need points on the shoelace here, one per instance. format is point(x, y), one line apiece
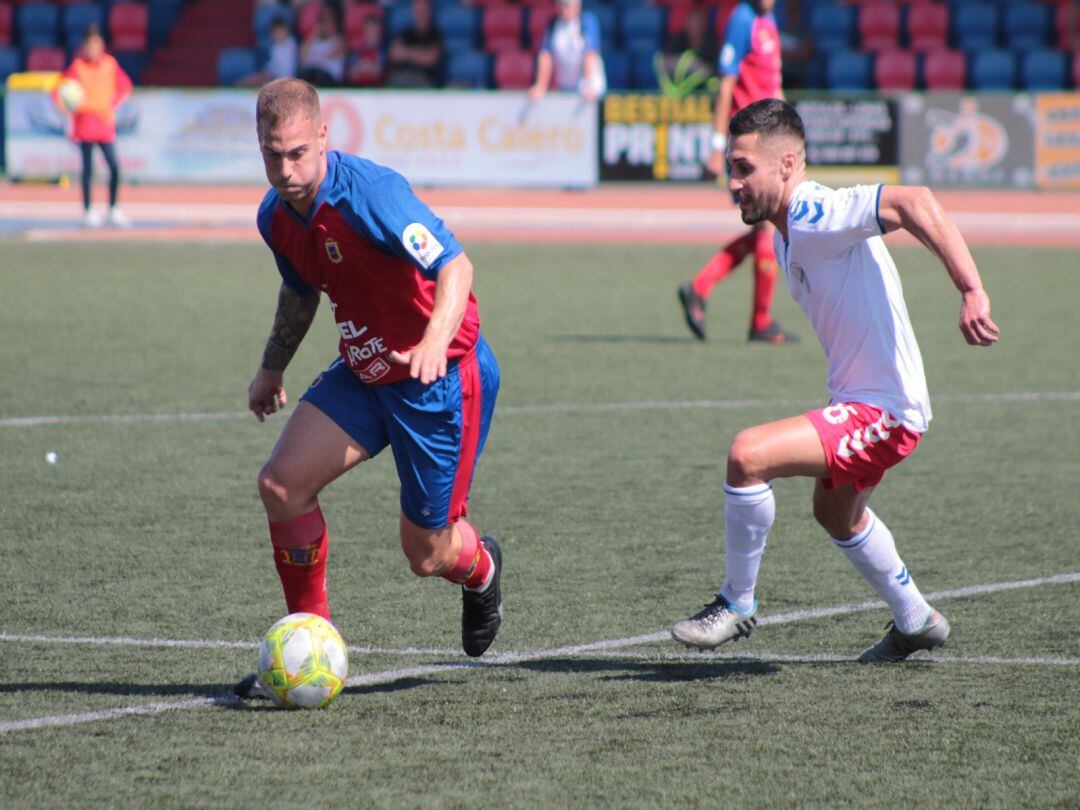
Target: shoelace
point(711, 613)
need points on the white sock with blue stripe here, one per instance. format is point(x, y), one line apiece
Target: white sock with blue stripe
point(748, 515)
point(873, 553)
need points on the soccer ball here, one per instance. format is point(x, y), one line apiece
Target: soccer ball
point(303, 662)
point(71, 94)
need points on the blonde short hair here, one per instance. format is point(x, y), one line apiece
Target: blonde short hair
point(285, 98)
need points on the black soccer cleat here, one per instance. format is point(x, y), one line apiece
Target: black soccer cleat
point(250, 689)
point(481, 611)
point(693, 306)
point(772, 334)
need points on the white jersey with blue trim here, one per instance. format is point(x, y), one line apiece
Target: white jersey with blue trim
point(842, 275)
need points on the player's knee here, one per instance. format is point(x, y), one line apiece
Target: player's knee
point(429, 565)
point(837, 525)
point(427, 551)
point(744, 459)
point(273, 488)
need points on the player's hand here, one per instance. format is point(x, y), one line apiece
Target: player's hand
point(717, 163)
point(975, 323)
point(536, 92)
point(426, 361)
point(266, 394)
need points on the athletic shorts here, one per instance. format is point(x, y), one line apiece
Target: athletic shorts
point(861, 442)
point(436, 431)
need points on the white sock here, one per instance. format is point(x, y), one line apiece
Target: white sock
point(873, 553)
point(748, 515)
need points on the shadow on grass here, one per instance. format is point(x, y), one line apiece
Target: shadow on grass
point(125, 689)
point(655, 671)
point(650, 339)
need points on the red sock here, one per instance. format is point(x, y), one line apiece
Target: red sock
point(300, 547)
point(718, 267)
point(474, 563)
point(764, 279)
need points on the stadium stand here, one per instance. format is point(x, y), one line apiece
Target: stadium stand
point(129, 27)
point(850, 70)
point(993, 70)
point(896, 70)
point(46, 57)
point(641, 28)
point(928, 27)
point(513, 69)
point(202, 30)
point(459, 26)
point(234, 64)
point(944, 70)
point(37, 24)
point(468, 69)
point(5, 25)
point(1044, 70)
point(354, 21)
point(76, 18)
point(879, 26)
point(975, 26)
point(501, 28)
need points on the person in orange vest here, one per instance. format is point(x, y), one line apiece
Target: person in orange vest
point(105, 85)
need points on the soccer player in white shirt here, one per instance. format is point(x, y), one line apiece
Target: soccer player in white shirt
point(839, 271)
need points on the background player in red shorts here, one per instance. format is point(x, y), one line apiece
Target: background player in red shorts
point(414, 372)
point(749, 71)
point(841, 274)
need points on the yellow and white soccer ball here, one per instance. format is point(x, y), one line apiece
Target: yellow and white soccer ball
point(303, 662)
point(71, 94)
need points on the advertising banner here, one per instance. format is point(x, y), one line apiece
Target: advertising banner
point(655, 137)
point(434, 138)
point(1057, 140)
point(951, 139)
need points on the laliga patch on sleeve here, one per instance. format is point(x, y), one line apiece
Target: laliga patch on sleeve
point(421, 244)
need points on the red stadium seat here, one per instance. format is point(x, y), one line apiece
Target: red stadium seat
point(46, 57)
point(1076, 69)
point(539, 18)
point(308, 17)
point(724, 8)
point(128, 26)
point(944, 70)
point(1067, 27)
point(676, 18)
point(928, 27)
point(5, 24)
point(895, 70)
point(355, 18)
point(879, 26)
point(501, 28)
point(514, 70)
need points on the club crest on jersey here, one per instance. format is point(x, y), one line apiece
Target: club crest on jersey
point(300, 555)
point(333, 251)
point(421, 243)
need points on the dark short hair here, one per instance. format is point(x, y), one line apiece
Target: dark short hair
point(770, 116)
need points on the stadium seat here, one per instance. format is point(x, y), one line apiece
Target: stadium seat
point(642, 27)
point(640, 62)
point(832, 27)
point(539, 18)
point(37, 24)
point(5, 25)
point(235, 63)
point(879, 26)
point(266, 13)
point(895, 70)
point(46, 57)
point(133, 63)
point(308, 16)
point(993, 70)
point(928, 27)
point(162, 17)
point(129, 28)
point(10, 61)
point(849, 70)
point(355, 19)
point(722, 13)
point(468, 68)
point(1067, 26)
point(607, 18)
point(1076, 69)
point(1044, 70)
point(944, 70)
point(617, 69)
point(514, 69)
point(1026, 26)
point(77, 17)
point(501, 27)
point(975, 27)
point(458, 26)
point(397, 20)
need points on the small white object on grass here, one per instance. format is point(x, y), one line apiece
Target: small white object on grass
point(51, 457)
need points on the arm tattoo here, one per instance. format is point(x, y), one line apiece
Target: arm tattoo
point(295, 312)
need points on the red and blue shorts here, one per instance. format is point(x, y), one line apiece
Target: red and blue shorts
point(436, 431)
point(861, 442)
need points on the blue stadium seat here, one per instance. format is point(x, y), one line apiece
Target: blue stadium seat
point(162, 17)
point(265, 14)
point(10, 61)
point(617, 69)
point(133, 63)
point(641, 27)
point(993, 70)
point(1044, 70)
point(608, 19)
point(37, 24)
point(77, 17)
point(235, 63)
point(398, 18)
point(975, 26)
point(468, 68)
point(458, 25)
point(640, 63)
point(1026, 26)
point(850, 70)
point(833, 27)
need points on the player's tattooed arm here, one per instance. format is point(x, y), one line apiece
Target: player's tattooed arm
point(295, 313)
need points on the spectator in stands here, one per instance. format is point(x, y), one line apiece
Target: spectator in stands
point(105, 85)
point(283, 58)
point(323, 54)
point(569, 56)
point(368, 60)
point(692, 51)
point(416, 52)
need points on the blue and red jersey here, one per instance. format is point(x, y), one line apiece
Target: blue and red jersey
point(751, 53)
point(376, 251)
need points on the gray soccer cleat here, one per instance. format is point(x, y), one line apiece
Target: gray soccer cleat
point(897, 646)
point(714, 624)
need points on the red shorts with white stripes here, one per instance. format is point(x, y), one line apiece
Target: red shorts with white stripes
point(861, 442)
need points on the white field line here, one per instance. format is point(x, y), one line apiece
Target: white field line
point(604, 646)
point(831, 658)
point(566, 408)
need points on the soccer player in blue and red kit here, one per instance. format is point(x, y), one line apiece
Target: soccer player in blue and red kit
point(750, 70)
point(414, 372)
